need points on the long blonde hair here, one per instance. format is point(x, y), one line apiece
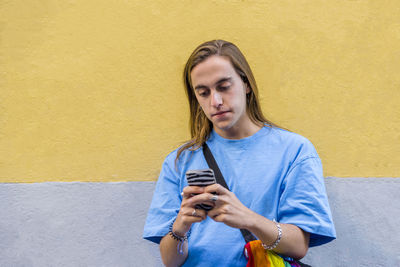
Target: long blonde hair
point(200, 126)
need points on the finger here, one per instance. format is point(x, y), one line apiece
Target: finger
point(186, 195)
point(219, 210)
point(189, 219)
point(214, 198)
point(219, 217)
point(189, 190)
point(194, 200)
point(215, 214)
point(211, 199)
point(216, 188)
point(193, 212)
point(205, 198)
point(200, 213)
point(212, 213)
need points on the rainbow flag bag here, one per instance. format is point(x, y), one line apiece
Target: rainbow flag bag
point(257, 256)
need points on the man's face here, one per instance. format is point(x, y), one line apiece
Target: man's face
point(221, 94)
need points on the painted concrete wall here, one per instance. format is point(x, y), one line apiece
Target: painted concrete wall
point(92, 91)
point(100, 224)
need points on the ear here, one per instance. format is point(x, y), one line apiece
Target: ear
point(248, 90)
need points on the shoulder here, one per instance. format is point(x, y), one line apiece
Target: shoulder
point(293, 143)
point(173, 161)
point(288, 136)
point(186, 153)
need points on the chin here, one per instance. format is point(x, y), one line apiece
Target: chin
point(223, 126)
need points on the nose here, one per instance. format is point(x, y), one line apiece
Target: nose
point(216, 99)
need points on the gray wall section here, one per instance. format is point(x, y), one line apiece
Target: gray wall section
point(100, 224)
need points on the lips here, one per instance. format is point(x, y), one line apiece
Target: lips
point(219, 114)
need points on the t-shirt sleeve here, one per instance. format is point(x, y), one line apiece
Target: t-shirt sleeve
point(304, 202)
point(165, 204)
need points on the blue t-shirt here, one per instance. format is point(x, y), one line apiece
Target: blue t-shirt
point(275, 173)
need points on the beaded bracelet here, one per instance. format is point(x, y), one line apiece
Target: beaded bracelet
point(181, 239)
point(278, 239)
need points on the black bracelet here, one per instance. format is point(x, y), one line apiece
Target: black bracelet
point(181, 239)
point(175, 236)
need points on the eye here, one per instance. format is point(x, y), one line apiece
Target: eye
point(202, 93)
point(223, 88)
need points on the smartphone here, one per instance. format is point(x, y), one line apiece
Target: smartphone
point(201, 178)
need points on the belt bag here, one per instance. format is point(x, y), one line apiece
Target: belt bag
point(254, 252)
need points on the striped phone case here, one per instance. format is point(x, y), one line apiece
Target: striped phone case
point(201, 178)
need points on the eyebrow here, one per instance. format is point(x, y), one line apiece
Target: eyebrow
point(222, 80)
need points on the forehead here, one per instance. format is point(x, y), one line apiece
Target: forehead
point(211, 70)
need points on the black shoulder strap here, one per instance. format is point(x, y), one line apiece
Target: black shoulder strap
point(247, 235)
point(214, 166)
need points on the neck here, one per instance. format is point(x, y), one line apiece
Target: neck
point(238, 132)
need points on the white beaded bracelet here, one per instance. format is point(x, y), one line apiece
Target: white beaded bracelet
point(278, 239)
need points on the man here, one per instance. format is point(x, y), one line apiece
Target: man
point(273, 175)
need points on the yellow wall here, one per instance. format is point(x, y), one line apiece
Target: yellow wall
point(91, 90)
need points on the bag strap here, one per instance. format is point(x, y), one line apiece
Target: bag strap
point(247, 235)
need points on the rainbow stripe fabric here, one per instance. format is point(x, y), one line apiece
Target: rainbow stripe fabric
point(257, 256)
